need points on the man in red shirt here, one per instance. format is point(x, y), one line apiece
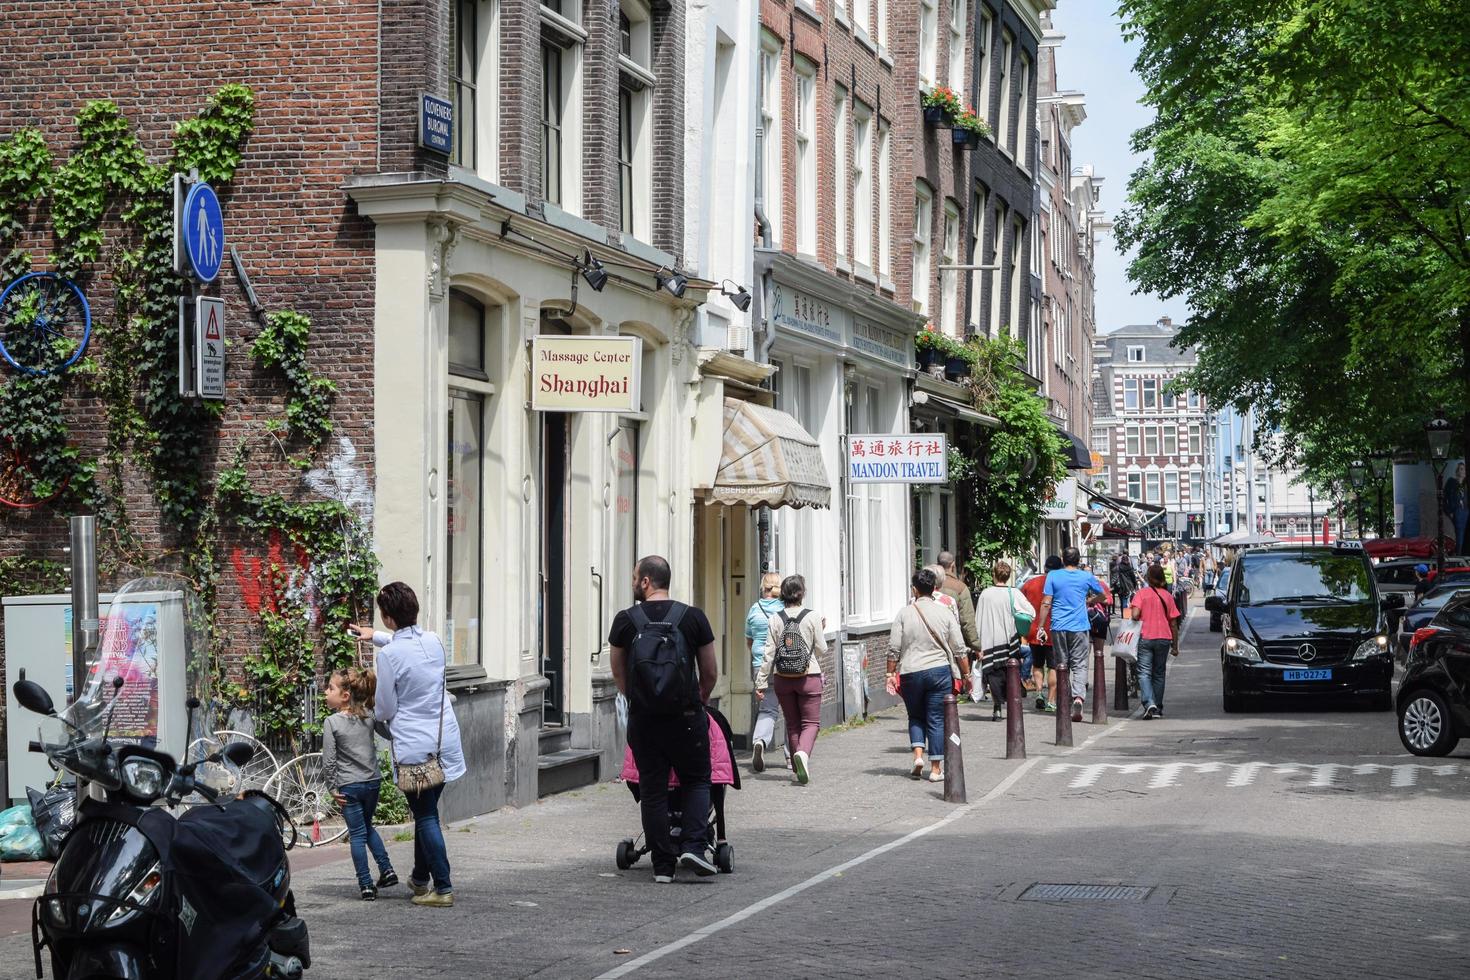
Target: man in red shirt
point(1041, 653)
point(1158, 639)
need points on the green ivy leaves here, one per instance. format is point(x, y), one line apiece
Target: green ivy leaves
point(281, 346)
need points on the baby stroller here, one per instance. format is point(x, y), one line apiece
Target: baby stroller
point(723, 773)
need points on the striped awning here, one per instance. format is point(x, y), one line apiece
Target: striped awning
point(768, 460)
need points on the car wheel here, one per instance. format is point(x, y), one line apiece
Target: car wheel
point(1425, 726)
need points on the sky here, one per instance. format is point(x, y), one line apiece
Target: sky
point(1095, 60)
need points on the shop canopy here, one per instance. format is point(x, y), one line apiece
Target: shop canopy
point(1074, 450)
point(768, 460)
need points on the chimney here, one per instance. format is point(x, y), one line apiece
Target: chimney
point(1165, 322)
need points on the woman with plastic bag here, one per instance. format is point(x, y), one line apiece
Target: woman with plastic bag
point(1002, 614)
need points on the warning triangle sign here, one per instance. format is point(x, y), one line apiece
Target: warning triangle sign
point(211, 324)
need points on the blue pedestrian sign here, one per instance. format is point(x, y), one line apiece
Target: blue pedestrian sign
point(202, 233)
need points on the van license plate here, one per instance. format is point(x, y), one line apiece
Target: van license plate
point(1307, 675)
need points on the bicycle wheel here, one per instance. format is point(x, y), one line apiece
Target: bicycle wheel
point(299, 788)
point(45, 323)
point(17, 481)
point(225, 778)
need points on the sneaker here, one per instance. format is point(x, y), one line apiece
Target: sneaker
point(799, 764)
point(996, 715)
point(1047, 708)
point(388, 879)
point(369, 894)
point(418, 889)
point(662, 879)
point(918, 770)
point(1158, 712)
point(435, 900)
point(758, 756)
point(1076, 709)
point(698, 862)
point(936, 777)
point(1150, 713)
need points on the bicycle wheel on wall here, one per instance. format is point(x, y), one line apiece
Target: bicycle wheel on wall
point(227, 779)
point(298, 786)
point(45, 323)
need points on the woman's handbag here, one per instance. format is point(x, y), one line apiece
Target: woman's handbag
point(1023, 620)
point(1125, 641)
point(417, 777)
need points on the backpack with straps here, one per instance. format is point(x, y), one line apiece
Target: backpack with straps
point(661, 675)
point(793, 656)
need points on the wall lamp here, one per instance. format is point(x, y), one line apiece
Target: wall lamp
point(592, 271)
point(738, 294)
point(672, 281)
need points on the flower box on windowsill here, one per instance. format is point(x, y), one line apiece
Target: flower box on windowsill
point(956, 368)
point(934, 116)
point(968, 138)
point(929, 357)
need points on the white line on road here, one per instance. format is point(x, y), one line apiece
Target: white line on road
point(1322, 776)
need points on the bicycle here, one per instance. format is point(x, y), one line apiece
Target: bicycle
point(45, 323)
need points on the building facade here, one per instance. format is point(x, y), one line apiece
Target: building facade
point(1255, 493)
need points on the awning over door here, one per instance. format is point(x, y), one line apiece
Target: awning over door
point(768, 460)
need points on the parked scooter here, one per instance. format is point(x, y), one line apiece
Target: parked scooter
point(140, 895)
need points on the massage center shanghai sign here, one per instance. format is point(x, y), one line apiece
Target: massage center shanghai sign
point(897, 459)
point(586, 374)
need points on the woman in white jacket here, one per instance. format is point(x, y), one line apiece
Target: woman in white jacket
point(995, 619)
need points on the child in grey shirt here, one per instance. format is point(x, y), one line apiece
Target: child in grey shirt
point(350, 768)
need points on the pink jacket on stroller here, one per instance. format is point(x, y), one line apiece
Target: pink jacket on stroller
point(721, 766)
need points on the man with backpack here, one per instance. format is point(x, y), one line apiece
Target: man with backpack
point(663, 661)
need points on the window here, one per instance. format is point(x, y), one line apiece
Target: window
point(842, 171)
point(880, 21)
point(771, 169)
point(1135, 486)
point(1135, 355)
point(1102, 439)
point(464, 481)
point(923, 205)
point(625, 160)
point(1130, 439)
point(1017, 267)
point(1003, 129)
point(1150, 393)
point(949, 279)
point(861, 14)
point(1196, 486)
point(862, 186)
point(870, 560)
point(1130, 394)
point(1023, 113)
point(553, 110)
point(957, 80)
point(1171, 487)
point(928, 43)
point(624, 450)
point(804, 127)
point(979, 200)
point(464, 66)
point(1192, 401)
point(997, 235)
point(885, 206)
point(1150, 440)
point(983, 39)
point(1151, 488)
point(1171, 441)
point(635, 102)
point(1194, 439)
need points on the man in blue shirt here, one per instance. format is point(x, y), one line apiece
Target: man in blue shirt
point(757, 634)
point(1065, 601)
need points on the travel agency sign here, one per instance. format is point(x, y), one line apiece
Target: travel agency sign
point(586, 374)
point(897, 459)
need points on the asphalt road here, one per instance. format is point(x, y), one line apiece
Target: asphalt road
point(1297, 842)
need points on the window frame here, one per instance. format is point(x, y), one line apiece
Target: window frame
point(1171, 488)
point(955, 56)
point(1150, 440)
point(928, 63)
point(768, 109)
point(1003, 127)
point(862, 185)
point(1132, 439)
point(1135, 485)
point(984, 39)
point(1138, 349)
point(1169, 440)
point(636, 84)
point(842, 184)
point(885, 198)
point(1149, 387)
point(1152, 487)
point(469, 383)
point(804, 136)
point(923, 229)
point(949, 279)
point(1130, 387)
point(553, 174)
point(1023, 117)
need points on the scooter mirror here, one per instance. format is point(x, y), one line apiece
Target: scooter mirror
point(33, 697)
point(239, 753)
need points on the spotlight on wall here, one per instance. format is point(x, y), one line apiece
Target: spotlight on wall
point(738, 294)
point(672, 281)
point(592, 271)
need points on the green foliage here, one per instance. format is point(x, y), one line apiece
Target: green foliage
point(23, 575)
point(392, 804)
point(947, 346)
point(281, 346)
point(278, 670)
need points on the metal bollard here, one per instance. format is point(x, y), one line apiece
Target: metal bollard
point(1120, 685)
point(1064, 704)
point(1015, 723)
point(954, 760)
point(1099, 689)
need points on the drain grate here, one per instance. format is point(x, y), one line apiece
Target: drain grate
point(1085, 893)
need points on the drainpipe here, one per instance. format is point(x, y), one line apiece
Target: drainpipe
point(762, 335)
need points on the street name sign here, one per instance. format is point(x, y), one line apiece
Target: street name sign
point(436, 123)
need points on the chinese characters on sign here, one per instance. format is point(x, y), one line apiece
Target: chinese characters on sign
point(806, 314)
point(897, 459)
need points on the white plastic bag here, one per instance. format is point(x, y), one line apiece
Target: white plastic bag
point(1125, 641)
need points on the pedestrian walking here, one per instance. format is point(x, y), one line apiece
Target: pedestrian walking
point(954, 587)
point(412, 699)
point(1064, 606)
point(796, 637)
point(1210, 571)
point(996, 612)
point(350, 768)
point(1125, 581)
point(1099, 618)
point(944, 598)
point(757, 629)
point(1158, 639)
point(1456, 507)
point(1043, 660)
point(925, 655)
point(663, 661)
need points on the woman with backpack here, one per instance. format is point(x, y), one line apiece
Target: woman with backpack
point(796, 637)
point(1003, 614)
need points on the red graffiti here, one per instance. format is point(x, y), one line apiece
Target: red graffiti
point(263, 584)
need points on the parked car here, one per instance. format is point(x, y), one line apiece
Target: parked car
point(1304, 620)
point(1434, 697)
point(1425, 609)
point(1397, 575)
point(1222, 583)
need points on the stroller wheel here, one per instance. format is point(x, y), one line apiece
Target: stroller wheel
point(627, 855)
point(725, 857)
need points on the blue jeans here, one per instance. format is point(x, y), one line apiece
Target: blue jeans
point(1028, 663)
point(923, 694)
point(1153, 659)
point(766, 715)
point(362, 800)
point(429, 854)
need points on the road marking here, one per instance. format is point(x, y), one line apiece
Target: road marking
point(1322, 775)
point(816, 879)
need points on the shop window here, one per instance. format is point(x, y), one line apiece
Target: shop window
point(625, 450)
point(464, 482)
point(871, 510)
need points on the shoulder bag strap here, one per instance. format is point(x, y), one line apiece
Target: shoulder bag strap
point(942, 645)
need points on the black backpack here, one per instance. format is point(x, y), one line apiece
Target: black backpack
point(661, 675)
point(793, 656)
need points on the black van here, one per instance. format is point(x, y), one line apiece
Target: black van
point(1305, 620)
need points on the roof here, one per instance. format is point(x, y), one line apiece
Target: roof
point(1154, 338)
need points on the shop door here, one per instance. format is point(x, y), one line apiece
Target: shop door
point(554, 468)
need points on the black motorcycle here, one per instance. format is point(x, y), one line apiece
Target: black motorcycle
point(138, 894)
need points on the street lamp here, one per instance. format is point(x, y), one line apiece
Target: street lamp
point(1358, 477)
point(1380, 462)
point(1440, 434)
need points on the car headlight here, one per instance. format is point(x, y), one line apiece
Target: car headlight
point(141, 894)
point(143, 778)
point(1374, 646)
point(1241, 650)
